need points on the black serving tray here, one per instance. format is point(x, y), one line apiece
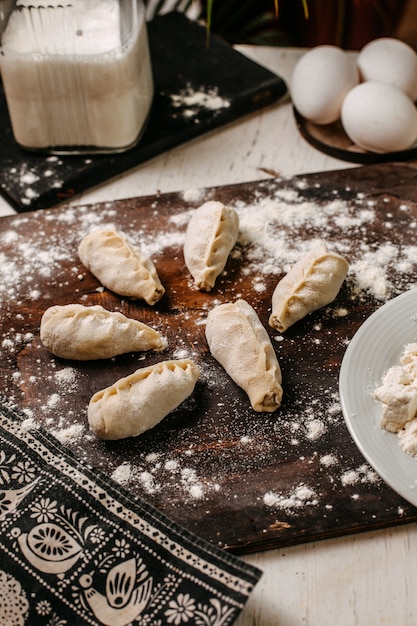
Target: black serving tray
point(184, 60)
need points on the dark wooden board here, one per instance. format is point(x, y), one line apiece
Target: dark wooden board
point(182, 64)
point(212, 462)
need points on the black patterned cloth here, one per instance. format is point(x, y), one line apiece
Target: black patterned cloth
point(77, 549)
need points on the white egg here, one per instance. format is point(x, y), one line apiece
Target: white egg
point(391, 61)
point(379, 118)
point(320, 81)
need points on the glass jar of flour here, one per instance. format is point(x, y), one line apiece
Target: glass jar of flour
point(77, 74)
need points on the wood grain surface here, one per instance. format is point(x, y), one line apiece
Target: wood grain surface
point(242, 480)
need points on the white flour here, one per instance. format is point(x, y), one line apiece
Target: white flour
point(301, 496)
point(189, 103)
point(74, 69)
point(397, 395)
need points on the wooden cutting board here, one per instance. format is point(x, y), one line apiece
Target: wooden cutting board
point(242, 480)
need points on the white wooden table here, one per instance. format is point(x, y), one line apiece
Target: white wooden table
point(365, 579)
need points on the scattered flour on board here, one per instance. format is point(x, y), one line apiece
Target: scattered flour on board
point(27, 181)
point(71, 434)
point(191, 102)
point(362, 474)
point(300, 497)
point(271, 238)
point(328, 460)
point(154, 474)
point(122, 474)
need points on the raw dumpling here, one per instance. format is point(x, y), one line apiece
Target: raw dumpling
point(74, 331)
point(211, 234)
point(240, 343)
point(313, 282)
point(120, 266)
point(140, 401)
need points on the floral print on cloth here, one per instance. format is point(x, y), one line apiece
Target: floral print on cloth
point(76, 549)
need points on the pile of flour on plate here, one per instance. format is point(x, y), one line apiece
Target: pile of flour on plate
point(398, 395)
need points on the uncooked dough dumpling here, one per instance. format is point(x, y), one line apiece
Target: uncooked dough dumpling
point(211, 235)
point(74, 331)
point(138, 402)
point(240, 343)
point(120, 266)
point(313, 282)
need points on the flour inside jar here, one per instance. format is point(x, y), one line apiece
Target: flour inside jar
point(77, 76)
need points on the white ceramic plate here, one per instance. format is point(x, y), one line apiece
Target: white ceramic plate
point(377, 345)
